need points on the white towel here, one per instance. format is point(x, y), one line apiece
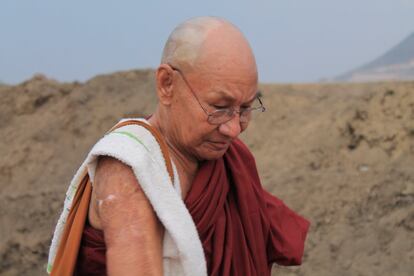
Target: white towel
point(135, 146)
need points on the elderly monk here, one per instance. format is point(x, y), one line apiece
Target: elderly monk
point(207, 94)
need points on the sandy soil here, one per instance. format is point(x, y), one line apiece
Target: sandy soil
point(340, 154)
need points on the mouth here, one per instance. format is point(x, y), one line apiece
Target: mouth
point(219, 145)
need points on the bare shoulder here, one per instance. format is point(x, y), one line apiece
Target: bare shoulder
point(116, 194)
point(114, 177)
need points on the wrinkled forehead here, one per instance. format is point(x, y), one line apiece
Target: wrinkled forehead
point(232, 85)
point(225, 86)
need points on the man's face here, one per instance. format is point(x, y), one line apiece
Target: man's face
point(214, 88)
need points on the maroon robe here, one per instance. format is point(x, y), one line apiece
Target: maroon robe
point(243, 228)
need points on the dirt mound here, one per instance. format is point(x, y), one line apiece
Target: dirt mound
point(341, 155)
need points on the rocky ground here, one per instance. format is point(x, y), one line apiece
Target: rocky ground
point(340, 154)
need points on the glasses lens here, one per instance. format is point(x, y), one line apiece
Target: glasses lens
point(220, 116)
point(224, 115)
point(245, 115)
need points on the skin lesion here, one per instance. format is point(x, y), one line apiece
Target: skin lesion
point(128, 221)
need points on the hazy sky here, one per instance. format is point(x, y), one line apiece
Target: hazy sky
point(293, 40)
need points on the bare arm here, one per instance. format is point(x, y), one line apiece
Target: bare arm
point(133, 233)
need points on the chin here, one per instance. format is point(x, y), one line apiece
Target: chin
point(210, 154)
point(211, 157)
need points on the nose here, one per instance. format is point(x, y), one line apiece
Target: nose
point(231, 128)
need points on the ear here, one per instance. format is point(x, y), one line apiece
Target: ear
point(164, 81)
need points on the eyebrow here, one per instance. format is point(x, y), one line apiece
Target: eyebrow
point(256, 95)
point(232, 99)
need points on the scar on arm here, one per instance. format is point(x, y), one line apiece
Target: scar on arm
point(128, 221)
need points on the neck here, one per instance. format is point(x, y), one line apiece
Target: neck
point(186, 165)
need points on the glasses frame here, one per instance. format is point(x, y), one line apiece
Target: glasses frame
point(230, 111)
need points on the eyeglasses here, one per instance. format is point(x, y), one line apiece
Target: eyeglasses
point(223, 115)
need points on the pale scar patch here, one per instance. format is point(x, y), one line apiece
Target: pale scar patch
point(109, 198)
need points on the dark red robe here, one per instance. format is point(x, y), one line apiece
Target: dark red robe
point(243, 228)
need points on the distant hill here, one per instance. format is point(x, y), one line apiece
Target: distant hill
point(396, 64)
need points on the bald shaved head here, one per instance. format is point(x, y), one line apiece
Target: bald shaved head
point(189, 40)
point(185, 41)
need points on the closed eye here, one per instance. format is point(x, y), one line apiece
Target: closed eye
point(220, 106)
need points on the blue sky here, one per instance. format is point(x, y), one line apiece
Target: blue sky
point(293, 40)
